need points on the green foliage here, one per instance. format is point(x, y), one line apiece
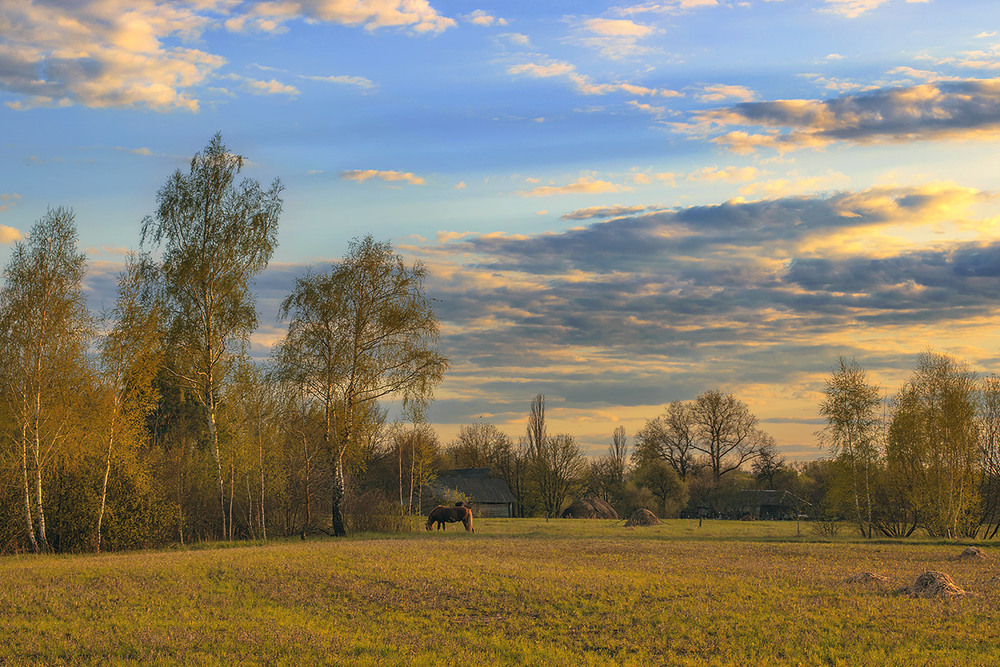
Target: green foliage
point(664, 484)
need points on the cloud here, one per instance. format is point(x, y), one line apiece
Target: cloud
point(583, 185)
point(757, 298)
point(484, 18)
point(517, 38)
point(726, 174)
point(8, 201)
point(719, 92)
point(102, 53)
point(602, 212)
point(669, 7)
point(614, 38)
point(362, 175)
point(272, 87)
point(852, 8)
point(584, 84)
point(417, 15)
point(949, 110)
point(648, 108)
point(359, 81)
point(784, 187)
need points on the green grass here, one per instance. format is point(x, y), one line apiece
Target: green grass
point(518, 592)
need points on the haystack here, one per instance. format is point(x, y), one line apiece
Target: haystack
point(866, 578)
point(642, 517)
point(972, 553)
point(933, 584)
point(589, 508)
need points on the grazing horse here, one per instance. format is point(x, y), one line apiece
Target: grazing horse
point(442, 515)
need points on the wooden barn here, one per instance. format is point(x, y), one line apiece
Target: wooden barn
point(487, 494)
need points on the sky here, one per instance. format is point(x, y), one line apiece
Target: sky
point(619, 204)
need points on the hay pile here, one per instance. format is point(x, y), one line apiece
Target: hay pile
point(590, 508)
point(642, 517)
point(866, 578)
point(972, 553)
point(933, 584)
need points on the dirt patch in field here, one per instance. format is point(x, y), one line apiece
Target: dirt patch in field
point(972, 553)
point(866, 578)
point(642, 517)
point(933, 584)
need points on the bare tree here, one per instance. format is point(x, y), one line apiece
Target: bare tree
point(556, 462)
point(217, 235)
point(670, 437)
point(361, 333)
point(726, 432)
point(769, 462)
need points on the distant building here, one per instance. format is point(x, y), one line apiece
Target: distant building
point(480, 488)
point(769, 504)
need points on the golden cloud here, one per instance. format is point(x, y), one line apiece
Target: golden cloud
point(362, 175)
point(582, 185)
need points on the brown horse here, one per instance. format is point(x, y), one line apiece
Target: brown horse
point(442, 515)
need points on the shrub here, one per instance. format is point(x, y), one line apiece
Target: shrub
point(373, 512)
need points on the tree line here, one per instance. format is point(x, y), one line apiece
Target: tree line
point(150, 424)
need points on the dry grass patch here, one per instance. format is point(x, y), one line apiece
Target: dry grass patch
point(972, 553)
point(642, 517)
point(933, 584)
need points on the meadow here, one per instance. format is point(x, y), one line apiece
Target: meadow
point(520, 591)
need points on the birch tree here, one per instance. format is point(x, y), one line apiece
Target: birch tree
point(130, 357)
point(934, 424)
point(216, 234)
point(851, 408)
point(358, 334)
point(45, 332)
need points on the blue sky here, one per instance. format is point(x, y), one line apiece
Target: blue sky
point(621, 204)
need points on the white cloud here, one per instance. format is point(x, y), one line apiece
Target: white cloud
point(852, 8)
point(583, 83)
point(517, 38)
point(614, 38)
point(359, 81)
point(484, 18)
point(272, 87)
point(106, 53)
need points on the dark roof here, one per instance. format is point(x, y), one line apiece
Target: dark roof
point(479, 485)
point(771, 497)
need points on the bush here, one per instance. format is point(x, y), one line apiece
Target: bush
point(373, 512)
point(826, 528)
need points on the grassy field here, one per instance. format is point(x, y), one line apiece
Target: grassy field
point(518, 592)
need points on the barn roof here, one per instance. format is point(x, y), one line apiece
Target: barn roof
point(479, 485)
